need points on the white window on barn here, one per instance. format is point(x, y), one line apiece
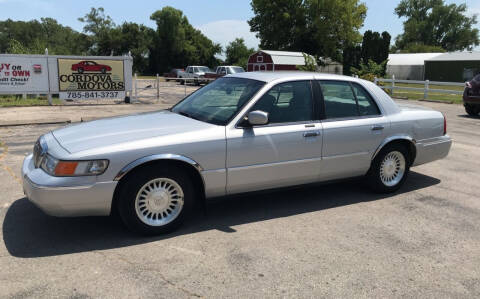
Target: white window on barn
point(259, 58)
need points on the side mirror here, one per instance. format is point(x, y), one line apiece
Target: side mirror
point(258, 118)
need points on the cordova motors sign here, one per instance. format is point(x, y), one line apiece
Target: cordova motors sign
point(72, 77)
point(90, 75)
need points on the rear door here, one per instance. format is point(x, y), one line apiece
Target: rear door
point(353, 128)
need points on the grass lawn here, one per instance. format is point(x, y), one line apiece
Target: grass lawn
point(418, 95)
point(13, 101)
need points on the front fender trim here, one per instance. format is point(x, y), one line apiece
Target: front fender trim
point(146, 159)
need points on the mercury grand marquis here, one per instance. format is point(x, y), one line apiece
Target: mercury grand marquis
point(243, 132)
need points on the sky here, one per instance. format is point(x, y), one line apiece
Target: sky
point(220, 20)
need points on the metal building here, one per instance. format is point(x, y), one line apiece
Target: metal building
point(453, 67)
point(408, 66)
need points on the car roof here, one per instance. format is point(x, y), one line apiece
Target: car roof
point(384, 100)
point(290, 75)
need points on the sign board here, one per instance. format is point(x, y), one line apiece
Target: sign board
point(72, 77)
point(91, 79)
point(23, 74)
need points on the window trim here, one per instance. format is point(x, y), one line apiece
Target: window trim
point(258, 58)
point(324, 112)
point(314, 104)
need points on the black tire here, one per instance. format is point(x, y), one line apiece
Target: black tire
point(471, 110)
point(374, 174)
point(80, 70)
point(182, 82)
point(135, 182)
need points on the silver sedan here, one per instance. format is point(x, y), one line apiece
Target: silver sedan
point(241, 133)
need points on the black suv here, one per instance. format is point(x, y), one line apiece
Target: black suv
point(471, 96)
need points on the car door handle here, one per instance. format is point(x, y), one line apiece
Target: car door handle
point(311, 134)
point(377, 127)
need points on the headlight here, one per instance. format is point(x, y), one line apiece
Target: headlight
point(57, 167)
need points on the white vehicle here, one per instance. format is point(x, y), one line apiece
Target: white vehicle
point(194, 72)
point(241, 133)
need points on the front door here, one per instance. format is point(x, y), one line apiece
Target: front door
point(287, 151)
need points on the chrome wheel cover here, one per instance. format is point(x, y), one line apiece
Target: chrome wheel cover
point(392, 168)
point(159, 202)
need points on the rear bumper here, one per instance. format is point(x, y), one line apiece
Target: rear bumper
point(64, 200)
point(432, 149)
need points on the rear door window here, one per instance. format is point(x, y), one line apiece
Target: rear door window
point(346, 100)
point(366, 105)
point(339, 99)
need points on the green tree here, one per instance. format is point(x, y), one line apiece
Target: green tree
point(370, 70)
point(318, 27)
point(434, 23)
point(16, 47)
point(352, 57)
point(375, 46)
point(34, 36)
point(237, 53)
point(419, 48)
point(100, 28)
point(136, 39)
point(177, 43)
point(310, 64)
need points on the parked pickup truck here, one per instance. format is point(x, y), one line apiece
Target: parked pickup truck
point(172, 74)
point(196, 72)
point(225, 70)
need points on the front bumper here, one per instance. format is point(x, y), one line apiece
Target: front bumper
point(66, 197)
point(470, 98)
point(432, 149)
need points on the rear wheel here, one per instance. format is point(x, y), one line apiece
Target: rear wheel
point(182, 82)
point(472, 110)
point(389, 169)
point(156, 200)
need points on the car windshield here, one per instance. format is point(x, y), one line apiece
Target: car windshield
point(203, 69)
point(218, 102)
point(234, 70)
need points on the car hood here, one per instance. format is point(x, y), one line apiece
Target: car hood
point(115, 130)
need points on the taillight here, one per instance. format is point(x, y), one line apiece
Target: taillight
point(444, 125)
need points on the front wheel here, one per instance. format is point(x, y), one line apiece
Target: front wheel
point(472, 110)
point(156, 200)
point(389, 169)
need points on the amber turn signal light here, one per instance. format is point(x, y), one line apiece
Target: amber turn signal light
point(65, 168)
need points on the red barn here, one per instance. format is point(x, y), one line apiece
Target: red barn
point(275, 61)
